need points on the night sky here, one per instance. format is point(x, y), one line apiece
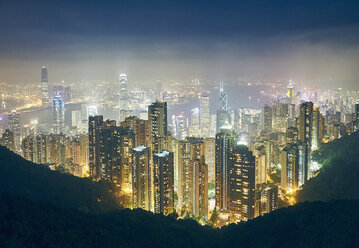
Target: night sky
point(315, 41)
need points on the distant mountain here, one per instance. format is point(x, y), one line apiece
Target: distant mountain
point(38, 183)
point(338, 178)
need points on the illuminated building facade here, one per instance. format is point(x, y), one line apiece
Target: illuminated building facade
point(141, 178)
point(242, 183)
point(163, 182)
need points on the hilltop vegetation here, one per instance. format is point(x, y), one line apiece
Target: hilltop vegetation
point(338, 177)
point(20, 177)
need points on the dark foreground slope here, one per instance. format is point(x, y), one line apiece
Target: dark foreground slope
point(338, 178)
point(38, 183)
point(27, 224)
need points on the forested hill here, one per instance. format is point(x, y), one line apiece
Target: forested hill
point(339, 176)
point(29, 224)
point(38, 183)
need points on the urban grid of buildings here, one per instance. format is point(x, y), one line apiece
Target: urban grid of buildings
point(226, 167)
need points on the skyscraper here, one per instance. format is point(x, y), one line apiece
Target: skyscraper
point(289, 160)
point(241, 183)
point(163, 182)
point(7, 140)
point(124, 110)
point(225, 141)
point(194, 126)
point(267, 119)
point(95, 126)
point(223, 99)
point(141, 178)
point(222, 115)
point(58, 114)
point(305, 128)
point(193, 178)
point(157, 124)
point(44, 86)
point(205, 118)
point(14, 127)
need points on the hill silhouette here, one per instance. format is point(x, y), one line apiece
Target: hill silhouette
point(29, 224)
point(338, 177)
point(20, 177)
point(43, 208)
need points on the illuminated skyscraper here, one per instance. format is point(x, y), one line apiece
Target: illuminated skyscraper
point(141, 178)
point(180, 126)
point(205, 118)
point(289, 160)
point(157, 124)
point(7, 140)
point(305, 128)
point(267, 119)
point(280, 115)
point(14, 127)
point(95, 127)
point(223, 99)
point(193, 178)
point(222, 115)
point(241, 183)
point(194, 126)
point(124, 110)
point(266, 200)
point(225, 141)
point(109, 154)
point(58, 115)
point(44, 86)
point(163, 184)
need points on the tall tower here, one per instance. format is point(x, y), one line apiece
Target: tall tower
point(223, 99)
point(124, 110)
point(194, 126)
point(95, 126)
point(14, 126)
point(44, 85)
point(157, 124)
point(242, 183)
point(267, 119)
point(305, 134)
point(141, 178)
point(225, 141)
point(163, 184)
point(58, 115)
point(223, 115)
point(205, 117)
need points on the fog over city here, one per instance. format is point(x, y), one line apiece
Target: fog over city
point(95, 41)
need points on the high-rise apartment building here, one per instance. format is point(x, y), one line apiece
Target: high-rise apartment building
point(241, 183)
point(141, 178)
point(205, 118)
point(157, 124)
point(163, 182)
point(14, 127)
point(225, 141)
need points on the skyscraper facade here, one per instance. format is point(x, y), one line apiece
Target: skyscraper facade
point(157, 124)
point(163, 182)
point(205, 118)
point(58, 115)
point(141, 178)
point(14, 127)
point(44, 85)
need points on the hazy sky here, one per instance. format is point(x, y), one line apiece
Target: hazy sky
point(92, 40)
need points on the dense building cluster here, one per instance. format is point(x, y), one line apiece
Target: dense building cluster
point(230, 166)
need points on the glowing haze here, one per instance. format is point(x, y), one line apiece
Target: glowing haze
point(315, 41)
